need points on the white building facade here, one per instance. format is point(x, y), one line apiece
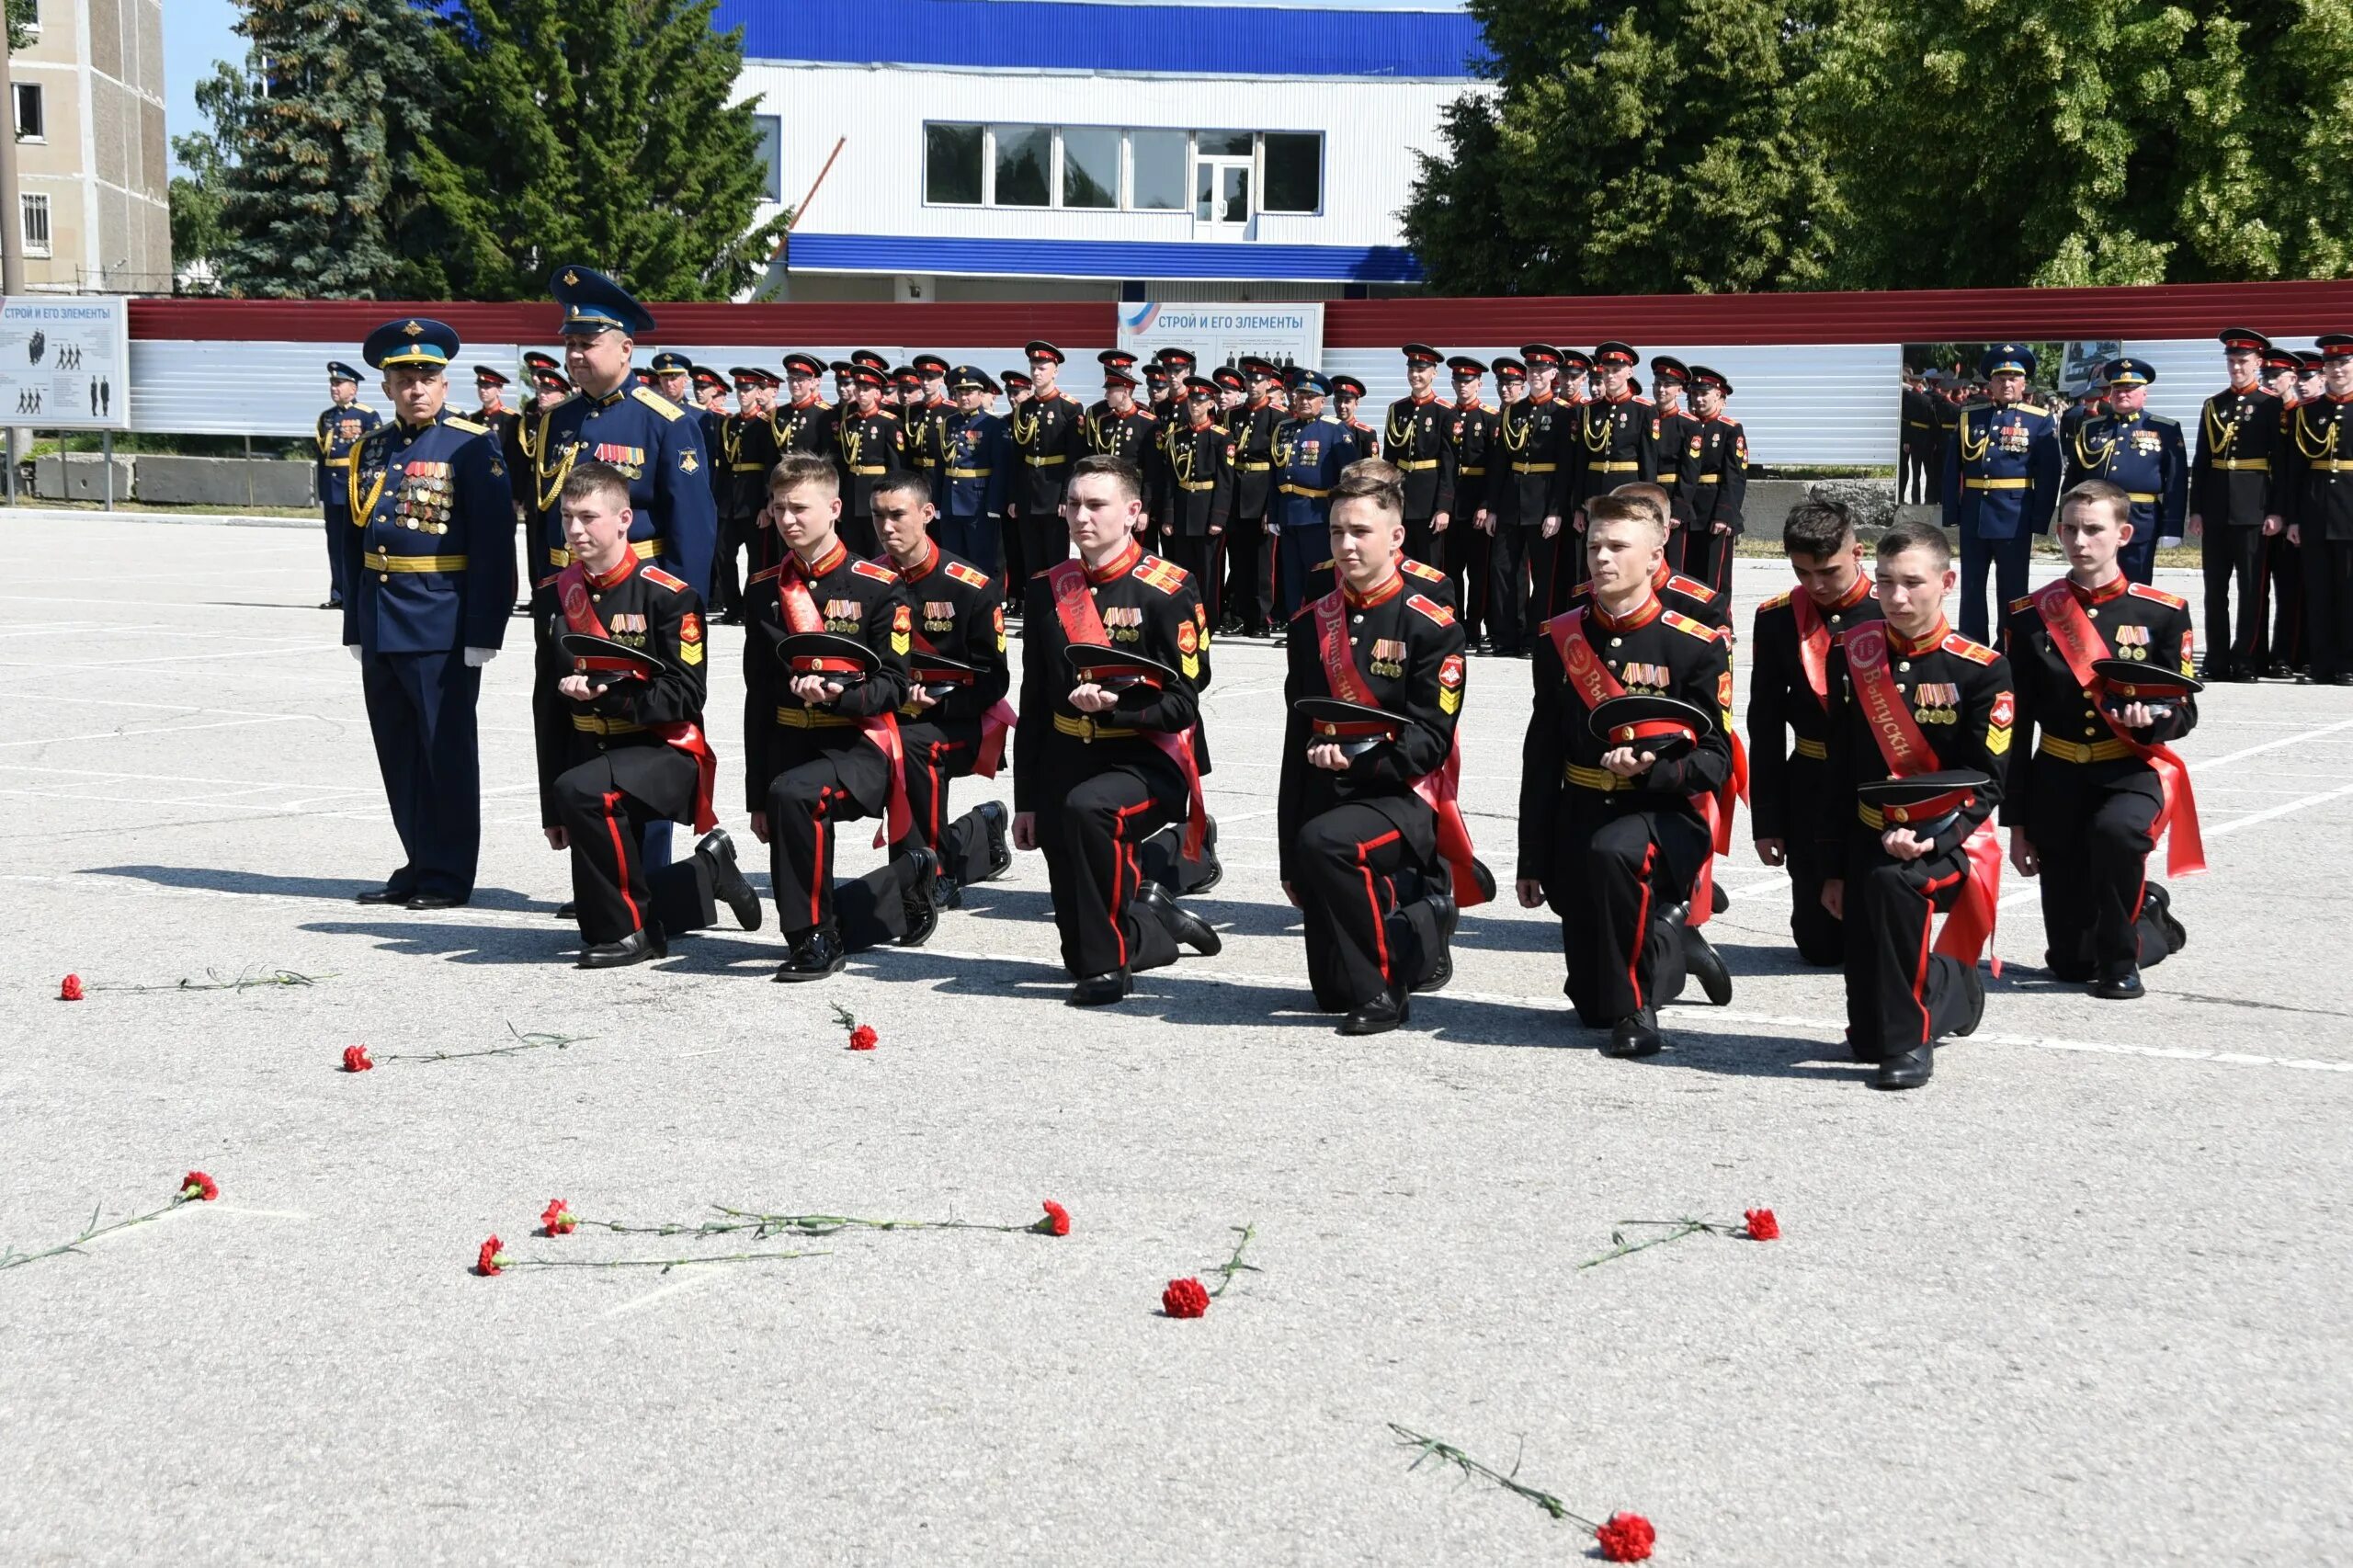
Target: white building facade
point(963, 150)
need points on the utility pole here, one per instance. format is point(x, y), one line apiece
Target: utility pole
point(12, 211)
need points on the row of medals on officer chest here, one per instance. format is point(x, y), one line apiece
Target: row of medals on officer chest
point(425, 498)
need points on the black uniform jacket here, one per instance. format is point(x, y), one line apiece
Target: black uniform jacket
point(1149, 607)
point(1407, 649)
point(2234, 470)
point(858, 600)
point(1959, 697)
point(1785, 717)
point(1654, 651)
point(2133, 621)
point(645, 608)
point(960, 613)
point(1419, 437)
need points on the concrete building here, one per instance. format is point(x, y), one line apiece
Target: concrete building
point(963, 150)
point(93, 164)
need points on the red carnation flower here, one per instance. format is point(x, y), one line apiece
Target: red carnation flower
point(557, 1219)
point(863, 1038)
point(487, 1260)
point(355, 1060)
point(1762, 1226)
point(1626, 1537)
point(1184, 1299)
point(1056, 1222)
point(71, 990)
point(198, 1185)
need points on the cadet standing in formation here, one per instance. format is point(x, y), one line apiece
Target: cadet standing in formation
point(869, 447)
point(1670, 378)
point(431, 577)
point(2002, 472)
point(1048, 438)
point(2317, 491)
point(1418, 437)
point(1197, 460)
point(1248, 597)
point(1473, 438)
point(344, 420)
point(2143, 453)
point(748, 449)
point(1525, 496)
point(2233, 507)
point(1613, 441)
point(1711, 477)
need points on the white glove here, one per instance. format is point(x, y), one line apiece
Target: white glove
point(477, 657)
point(353, 648)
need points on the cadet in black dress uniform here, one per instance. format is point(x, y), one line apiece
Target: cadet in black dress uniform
point(2317, 490)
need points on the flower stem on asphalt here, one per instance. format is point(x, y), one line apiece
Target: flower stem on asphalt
point(1234, 1266)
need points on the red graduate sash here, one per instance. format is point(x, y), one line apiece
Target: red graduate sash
point(2079, 642)
point(1083, 626)
point(1596, 686)
point(572, 592)
point(880, 730)
point(1969, 929)
point(1441, 787)
point(1813, 645)
point(995, 724)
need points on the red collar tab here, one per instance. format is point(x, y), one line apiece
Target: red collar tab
point(1904, 646)
point(1389, 588)
point(1650, 611)
point(831, 561)
point(2114, 588)
point(1118, 566)
point(1864, 587)
point(921, 569)
point(1659, 578)
point(618, 575)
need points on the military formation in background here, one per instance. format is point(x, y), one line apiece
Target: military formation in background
point(876, 548)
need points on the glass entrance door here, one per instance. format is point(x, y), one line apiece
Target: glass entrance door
point(1221, 192)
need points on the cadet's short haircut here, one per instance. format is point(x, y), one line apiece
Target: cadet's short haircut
point(903, 483)
point(2099, 491)
point(1130, 479)
point(596, 478)
point(1624, 509)
point(797, 469)
point(1900, 537)
point(1649, 494)
point(1818, 529)
point(1370, 478)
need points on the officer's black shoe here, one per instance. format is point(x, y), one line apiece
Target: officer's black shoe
point(2124, 985)
point(1635, 1035)
point(1101, 990)
point(1973, 990)
point(1447, 914)
point(1706, 965)
point(1182, 924)
point(922, 914)
point(1379, 1016)
point(1000, 846)
point(817, 953)
point(432, 900)
point(1213, 869)
point(1908, 1070)
point(386, 895)
point(567, 910)
point(635, 948)
point(1717, 902)
point(727, 878)
point(1485, 878)
point(332, 604)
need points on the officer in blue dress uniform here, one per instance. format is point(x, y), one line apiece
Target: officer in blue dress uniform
point(346, 420)
point(1309, 449)
point(431, 568)
point(2140, 451)
point(975, 460)
point(656, 445)
point(2001, 471)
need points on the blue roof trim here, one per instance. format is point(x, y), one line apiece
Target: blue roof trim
point(1104, 258)
point(1051, 35)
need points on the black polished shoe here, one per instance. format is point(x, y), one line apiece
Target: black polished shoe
point(1972, 982)
point(1213, 868)
point(1101, 990)
point(1182, 924)
point(1000, 846)
point(1908, 1070)
point(1635, 1035)
point(567, 910)
point(385, 895)
point(635, 948)
point(1378, 1016)
point(923, 882)
point(432, 900)
point(1707, 966)
point(2124, 985)
point(1717, 901)
point(1448, 914)
point(727, 878)
point(817, 954)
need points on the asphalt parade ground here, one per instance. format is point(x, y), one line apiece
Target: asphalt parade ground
point(2082, 1300)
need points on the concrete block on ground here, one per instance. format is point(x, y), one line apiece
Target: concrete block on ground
point(81, 478)
point(225, 482)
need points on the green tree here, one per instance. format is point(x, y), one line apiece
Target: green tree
point(1645, 146)
point(22, 13)
point(598, 132)
point(321, 140)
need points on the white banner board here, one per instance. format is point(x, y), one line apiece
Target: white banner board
point(1222, 334)
point(65, 362)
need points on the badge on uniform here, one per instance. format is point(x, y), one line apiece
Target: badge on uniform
point(1000, 629)
point(690, 638)
point(1997, 726)
point(1450, 684)
point(686, 460)
point(1388, 658)
point(902, 625)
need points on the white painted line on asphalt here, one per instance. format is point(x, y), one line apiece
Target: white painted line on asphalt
point(2298, 805)
point(688, 1277)
point(178, 658)
point(2302, 737)
point(171, 730)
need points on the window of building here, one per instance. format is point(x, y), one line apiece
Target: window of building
point(1025, 165)
point(952, 162)
point(1090, 167)
point(1223, 143)
point(1156, 170)
point(770, 130)
point(31, 124)
point(36, 207)
point(1294, 181)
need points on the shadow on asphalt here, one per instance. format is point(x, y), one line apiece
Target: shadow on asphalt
point(340, 889)
point(463, 944)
